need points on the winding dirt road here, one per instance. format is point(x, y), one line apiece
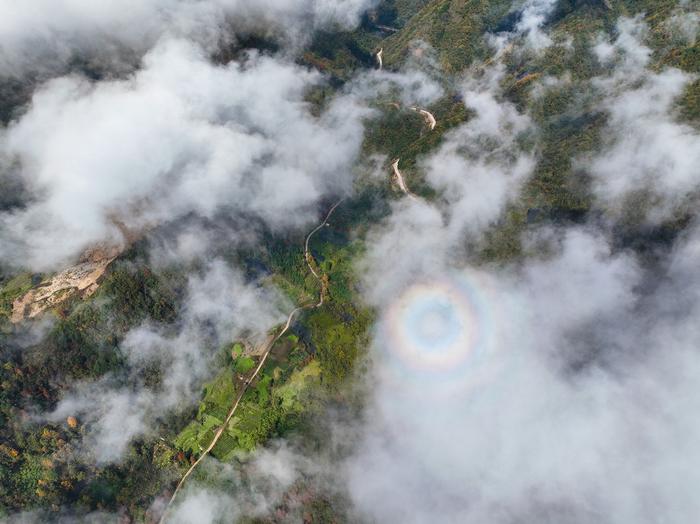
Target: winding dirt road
point(386, 28)
point(309, 259)
point(428, 116)
point(431, 123)
point(400, 180)
point(307, 254)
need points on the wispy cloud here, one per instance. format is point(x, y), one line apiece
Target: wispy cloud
point(565, 408)
point(221, 307)
point(646, 148)
point(44, 36)
point(571, 375)
point(181, 136)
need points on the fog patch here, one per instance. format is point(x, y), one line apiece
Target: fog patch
point(220, 307)
point(180, 137)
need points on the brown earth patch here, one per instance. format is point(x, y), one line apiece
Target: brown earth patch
point(82, 280)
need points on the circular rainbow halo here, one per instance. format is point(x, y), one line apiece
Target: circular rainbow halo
point(436, 326)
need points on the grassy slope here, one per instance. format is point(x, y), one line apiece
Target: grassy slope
point(270, 406)
point(453, 27)
point(306, 366)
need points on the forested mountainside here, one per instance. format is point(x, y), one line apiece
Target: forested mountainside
point(349, 261)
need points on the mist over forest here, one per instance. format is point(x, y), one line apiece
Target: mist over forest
point(349, 261)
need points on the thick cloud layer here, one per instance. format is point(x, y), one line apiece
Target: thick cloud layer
point(46, 34)
point(181, 136)
point(520, 435)
point(572, 400)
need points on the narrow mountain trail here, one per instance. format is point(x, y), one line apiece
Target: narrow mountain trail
point(400, 180)
point(308, 257)
point(431, 122)
point(427, 115)
point(386, 28)
point(307, 254)
point(309, 262)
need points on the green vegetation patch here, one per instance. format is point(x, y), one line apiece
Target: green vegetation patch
point(339, 334)
point(454, 28)
point(292, 393)
point(12, 290)
point(270, 405)
point(690, 103)
point(244, 365)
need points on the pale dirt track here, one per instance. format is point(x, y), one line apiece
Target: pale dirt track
point(428, 116)
point(431, 123)
point(265, 354)
point(400, 180)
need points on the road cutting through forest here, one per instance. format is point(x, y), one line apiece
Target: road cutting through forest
point(400, 180)
point(308, 257)
point(307, 254)
point(427, 115)
point(431, 122)
point(268, 348)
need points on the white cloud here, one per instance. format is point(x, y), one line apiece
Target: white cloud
point(206, 507)
point(513, 434)
point(181, 136)
point(684, 24)
point(628, 49)
point(480, 167)
point(570, 402)
point(645, 148)
point(262, 486)
point(534, 15)
point(46, 34)
point(477, 170)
